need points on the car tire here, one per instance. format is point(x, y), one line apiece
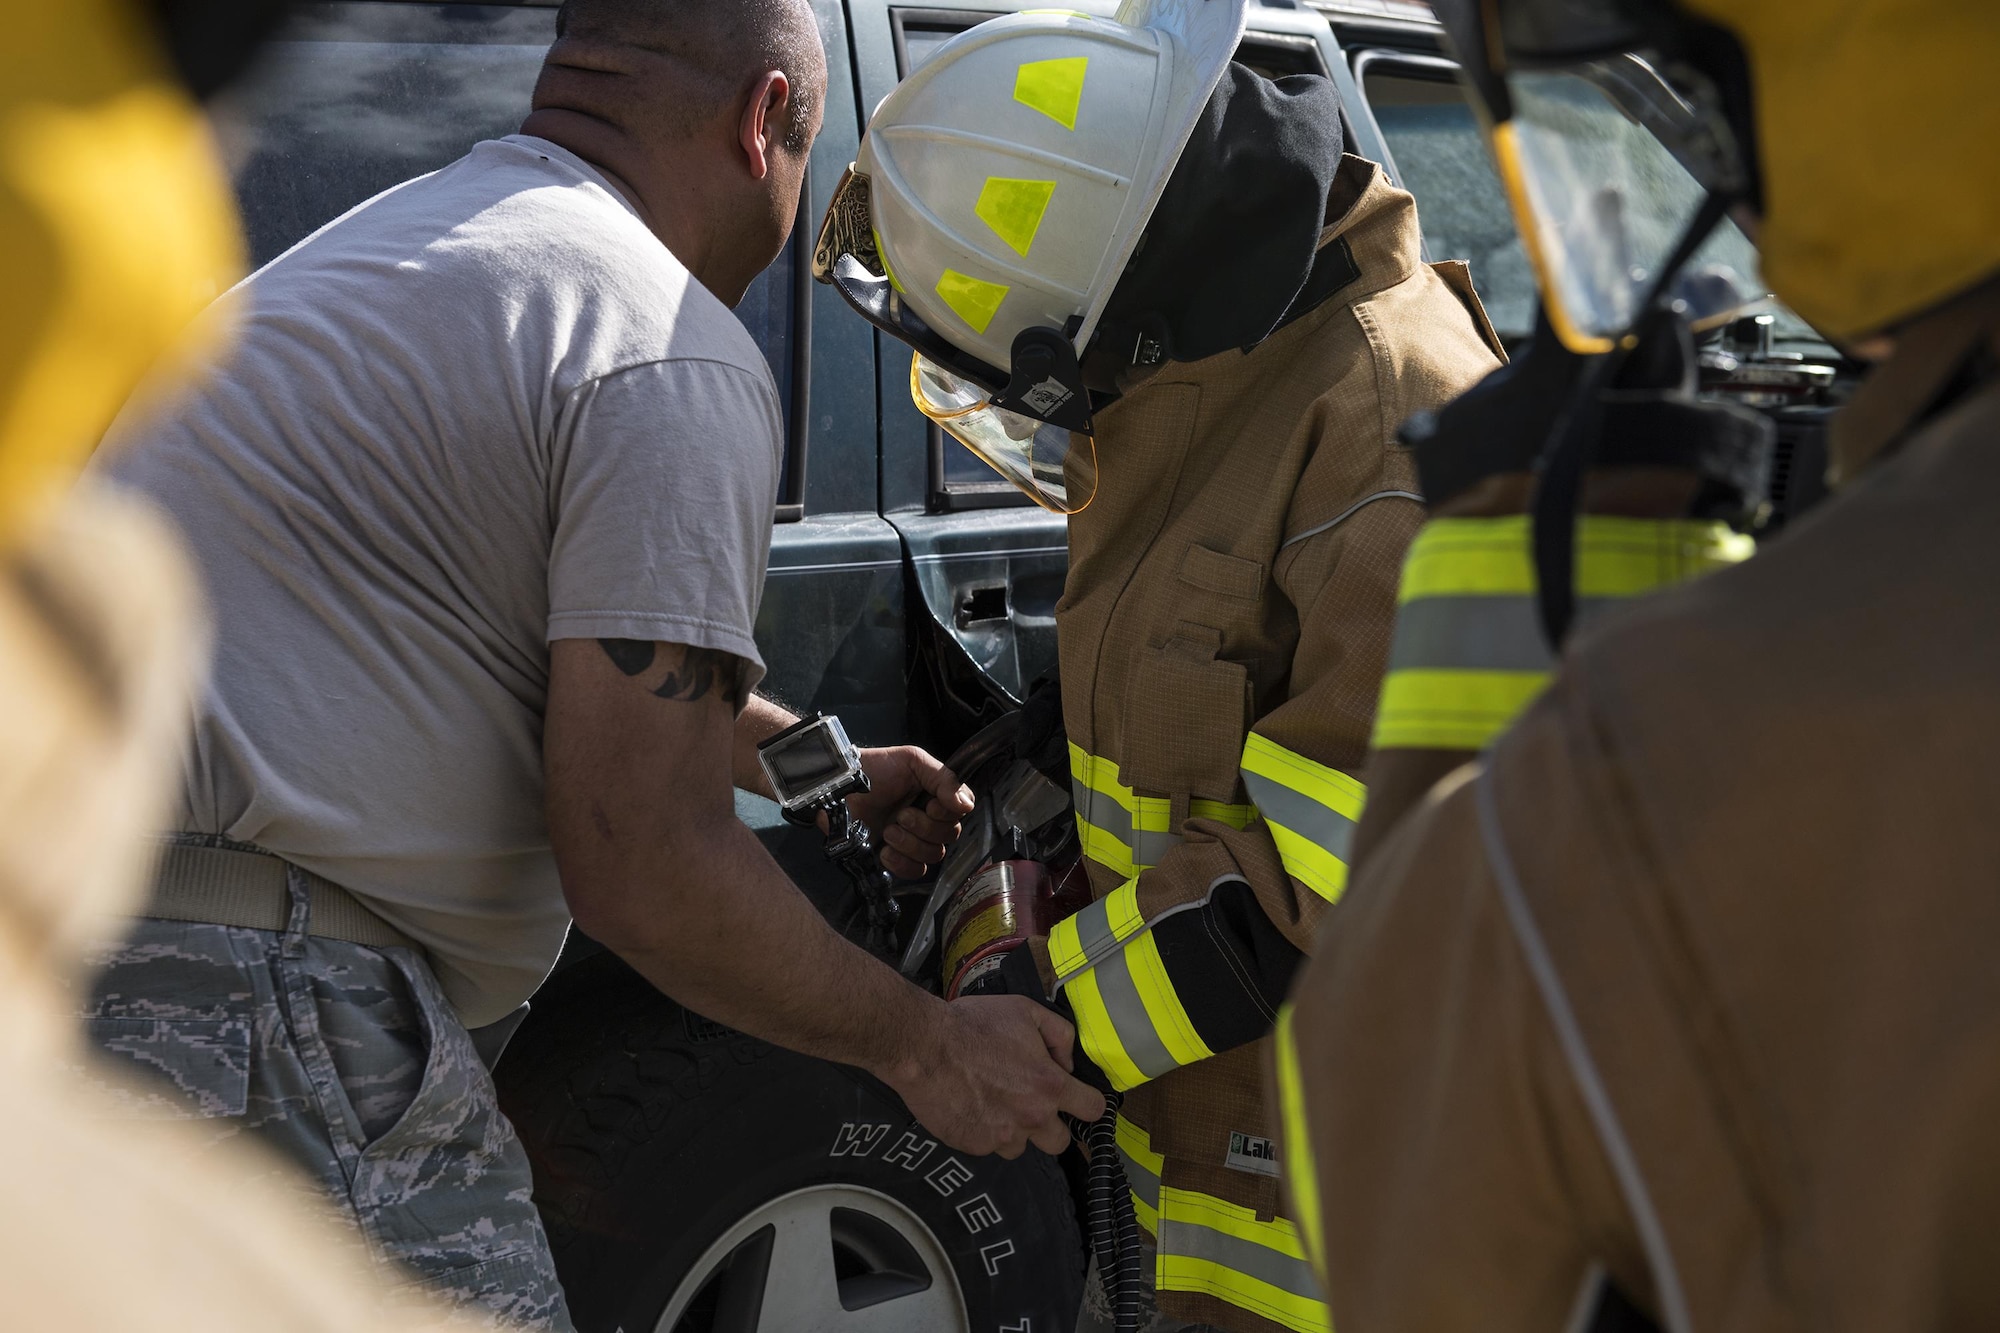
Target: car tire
point(696, 1180)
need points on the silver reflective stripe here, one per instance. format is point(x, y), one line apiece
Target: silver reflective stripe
point(1498, 633)
point(1301, 814)
point(1093, 936)
point(1102, 812)
point(1589, 1083)
point(1149, 848)
point(1143, 1180)
point(1238, 1256)
point(1096, 808)
point(1135, 1026)
point(1470, 633)
point(1350, 512)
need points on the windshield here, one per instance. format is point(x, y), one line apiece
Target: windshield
point(1441, 157)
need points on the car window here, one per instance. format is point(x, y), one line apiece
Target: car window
point(1440, 157)
point(356, 97)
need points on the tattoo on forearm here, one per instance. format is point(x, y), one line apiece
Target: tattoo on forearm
point(631, 656)
point(700, 672)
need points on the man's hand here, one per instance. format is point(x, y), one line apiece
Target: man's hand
point(993, 1075)
point(913, 806)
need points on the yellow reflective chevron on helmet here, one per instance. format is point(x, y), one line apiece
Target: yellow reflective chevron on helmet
point(1014, 209)
point(1028, 152)
point(974, 300)
point(1053, 87)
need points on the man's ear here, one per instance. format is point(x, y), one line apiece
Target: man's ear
point(764, 117)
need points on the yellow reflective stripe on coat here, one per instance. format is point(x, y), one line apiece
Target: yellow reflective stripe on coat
point(1142, 1173)
point(1218, 1248)
point(1095, 933)
point(1128, 1019)
point(1303, 1177)
point(1125, 832)
point(1311, 810)
point(1451, 710)
point(1209, 1245)
point(1469, 654)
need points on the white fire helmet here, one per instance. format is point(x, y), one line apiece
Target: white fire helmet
point(999, 193)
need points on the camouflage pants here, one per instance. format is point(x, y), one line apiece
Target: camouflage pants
point(350, 1062)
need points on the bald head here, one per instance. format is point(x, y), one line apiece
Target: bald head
point(713, 50)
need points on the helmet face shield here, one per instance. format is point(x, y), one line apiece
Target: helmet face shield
point(1053, 466)
point(1616, 160)
point(1600, 161)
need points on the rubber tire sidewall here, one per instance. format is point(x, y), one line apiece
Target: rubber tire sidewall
point(654, 1132)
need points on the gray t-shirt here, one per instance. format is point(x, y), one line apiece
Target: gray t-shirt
point(485, 410)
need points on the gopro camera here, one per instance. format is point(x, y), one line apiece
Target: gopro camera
point(812, 764)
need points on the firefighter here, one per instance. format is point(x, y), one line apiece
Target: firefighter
point(1679, 1005)
point(1148, 287)
point(116, 227)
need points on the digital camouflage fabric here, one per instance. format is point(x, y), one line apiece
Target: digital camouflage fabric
point(349, 1061)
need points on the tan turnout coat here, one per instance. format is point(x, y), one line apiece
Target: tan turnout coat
point(1237, 571)
point(1696, 981)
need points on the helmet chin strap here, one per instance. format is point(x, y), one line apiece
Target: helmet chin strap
point(1046, 382)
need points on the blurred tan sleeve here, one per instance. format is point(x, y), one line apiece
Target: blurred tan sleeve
point(1458, 1179)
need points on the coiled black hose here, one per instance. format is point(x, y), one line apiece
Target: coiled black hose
point(1113, 1226)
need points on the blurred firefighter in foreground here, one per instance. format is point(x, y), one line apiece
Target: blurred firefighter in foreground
point(1147, 286)
point(1680, 1004)
point(117, 228)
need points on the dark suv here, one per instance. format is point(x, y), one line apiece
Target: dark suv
point(692, 1177)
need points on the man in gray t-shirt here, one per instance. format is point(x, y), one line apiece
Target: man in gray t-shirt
point(482, 498)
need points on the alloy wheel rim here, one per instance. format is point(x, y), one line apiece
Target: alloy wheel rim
point(823, 1259)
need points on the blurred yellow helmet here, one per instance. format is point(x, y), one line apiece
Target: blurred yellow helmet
point(116, 227)
point(1858, 135)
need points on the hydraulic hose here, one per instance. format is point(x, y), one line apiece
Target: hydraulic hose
point(1114, 1227)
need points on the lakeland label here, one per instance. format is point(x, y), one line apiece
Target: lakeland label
point(1247, 1153)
